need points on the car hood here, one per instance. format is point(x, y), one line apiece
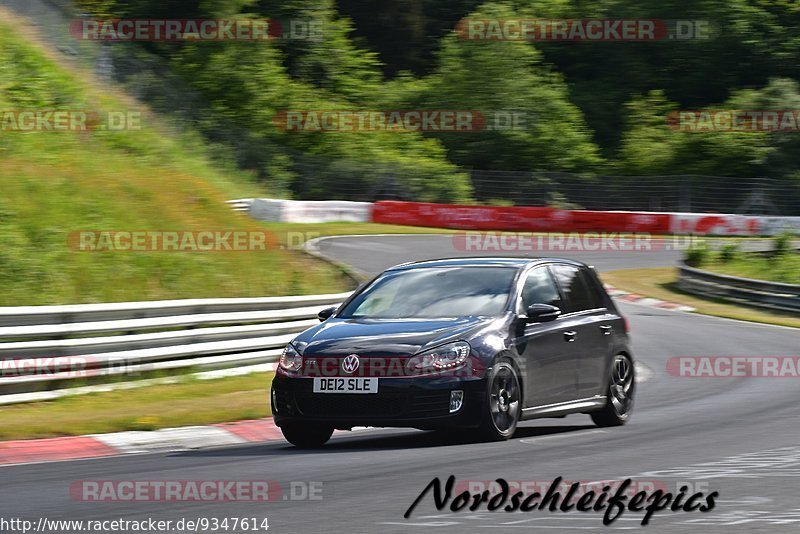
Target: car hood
point(383, 337)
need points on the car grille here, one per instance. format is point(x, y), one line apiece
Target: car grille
point(349, 405)
point(430, 404)
point(418, 405)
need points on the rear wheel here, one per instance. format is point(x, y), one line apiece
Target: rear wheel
point(503, 403)
point(619, 397)
point(306, 436)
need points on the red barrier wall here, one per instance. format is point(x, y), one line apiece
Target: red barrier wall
point(518, 218)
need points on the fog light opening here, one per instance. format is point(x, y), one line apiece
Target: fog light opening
point(456, 400)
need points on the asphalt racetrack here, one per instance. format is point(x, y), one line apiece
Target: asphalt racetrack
point(737, 436)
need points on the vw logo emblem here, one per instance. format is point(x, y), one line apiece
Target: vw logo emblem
point(350, 364)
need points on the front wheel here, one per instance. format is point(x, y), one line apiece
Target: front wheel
point(306, 436)
point(619, 396)
point(503, 403)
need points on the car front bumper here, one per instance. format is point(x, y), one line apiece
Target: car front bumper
point(416, 402)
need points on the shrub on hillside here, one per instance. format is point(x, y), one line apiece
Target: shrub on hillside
point(697, 254)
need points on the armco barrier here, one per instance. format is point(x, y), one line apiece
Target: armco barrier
point(240, 204)
point(301, 211)
point(543, 219)
point(148, 336)
point(772, 295)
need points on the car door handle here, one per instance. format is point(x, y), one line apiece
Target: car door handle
point(607, 329)
point(570, 336)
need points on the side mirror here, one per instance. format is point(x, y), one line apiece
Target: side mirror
point(326, 313)
point(541, 313)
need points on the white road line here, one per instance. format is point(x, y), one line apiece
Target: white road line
point(410, 524)
point(570, 435)
point(566, 518)
point(169, 439)
point(643, 373)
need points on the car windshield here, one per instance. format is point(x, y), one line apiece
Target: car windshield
point(428, 292)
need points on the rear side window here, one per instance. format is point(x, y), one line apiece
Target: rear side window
point(579, 291)
point(540, 288)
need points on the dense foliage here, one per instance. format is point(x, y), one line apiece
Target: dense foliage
point(594, 108)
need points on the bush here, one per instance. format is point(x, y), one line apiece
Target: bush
point(729, 252)
point(782, 245)
point(697, 254)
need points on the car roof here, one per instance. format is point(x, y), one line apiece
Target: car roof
point(493, 261)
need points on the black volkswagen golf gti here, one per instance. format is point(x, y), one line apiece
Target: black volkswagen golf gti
point(469, 343)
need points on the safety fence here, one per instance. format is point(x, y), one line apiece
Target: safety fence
point(517, 218)
point(51, 347)
point(522, 218)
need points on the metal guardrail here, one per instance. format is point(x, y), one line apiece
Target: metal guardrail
point(52, 347)
point(241, 204)
point(761, 293)
point(75, 313)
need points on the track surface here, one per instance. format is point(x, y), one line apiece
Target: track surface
point(369, 478)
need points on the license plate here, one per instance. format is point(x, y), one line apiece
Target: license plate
point(345, 385)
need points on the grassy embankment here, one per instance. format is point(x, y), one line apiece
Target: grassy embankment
point(153, 178)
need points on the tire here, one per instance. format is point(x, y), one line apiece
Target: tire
point(503, 404)
point(619, 395)
point(306, 436)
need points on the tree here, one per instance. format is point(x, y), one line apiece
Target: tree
point(503, 78)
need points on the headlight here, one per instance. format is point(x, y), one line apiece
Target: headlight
point(290, 359)
point(441, 358)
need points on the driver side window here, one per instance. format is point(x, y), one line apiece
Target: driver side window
point(540, 288)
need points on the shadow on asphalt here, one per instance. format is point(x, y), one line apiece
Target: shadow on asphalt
point(365, 440)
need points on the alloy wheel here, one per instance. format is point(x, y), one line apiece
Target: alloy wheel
point(622, 384)
point(504, 399)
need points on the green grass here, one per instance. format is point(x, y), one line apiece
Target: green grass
point(188, 402)
point(781, 263)
point(54, 183)
point(660, 283)
point(785, 268)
